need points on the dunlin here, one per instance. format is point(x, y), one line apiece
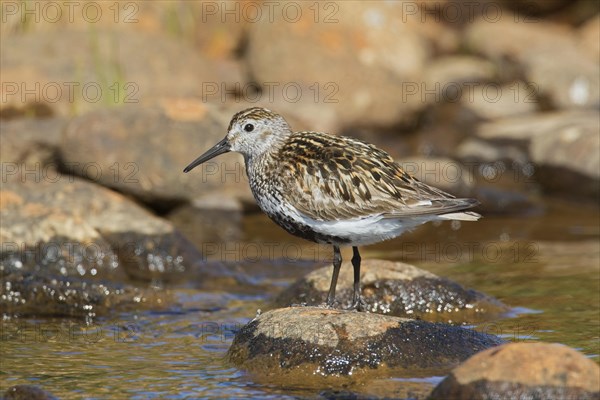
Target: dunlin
point(331, 190)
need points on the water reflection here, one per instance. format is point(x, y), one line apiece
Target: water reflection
point(547, 270)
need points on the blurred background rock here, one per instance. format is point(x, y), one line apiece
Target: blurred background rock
point(422, 79)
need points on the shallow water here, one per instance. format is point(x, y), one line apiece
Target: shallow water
point(546, 266)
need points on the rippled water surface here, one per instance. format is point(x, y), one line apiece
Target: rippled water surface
point(545, 266)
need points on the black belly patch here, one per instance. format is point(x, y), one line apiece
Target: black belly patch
point(305, 231)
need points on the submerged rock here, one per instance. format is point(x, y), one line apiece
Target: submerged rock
point(27, 392)
point(523, 371)
point(397, 289)
point(305, 341)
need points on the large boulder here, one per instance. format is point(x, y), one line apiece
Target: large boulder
point(541, 371)
point(299, 342)
point(72, 228)
point(142, 150)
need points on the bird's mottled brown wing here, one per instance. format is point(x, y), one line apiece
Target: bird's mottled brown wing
point(334, 178)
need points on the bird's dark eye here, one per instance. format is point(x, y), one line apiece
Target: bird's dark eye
point(248, 127)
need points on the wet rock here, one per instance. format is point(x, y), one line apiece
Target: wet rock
point(444, 173)
point(558, 149)
point(27, 294)
point(300, 342)
point(397, 289)
point(27, 392)
point(69, 227)
point(523, 370)
point(142, 151)
point(547, 55)
point(30, 142)
point(373, 52)
point(164, 257)
point(107, 69)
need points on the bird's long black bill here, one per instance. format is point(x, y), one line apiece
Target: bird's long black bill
point(219, 148)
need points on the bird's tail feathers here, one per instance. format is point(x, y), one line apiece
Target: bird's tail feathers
point(461, 216)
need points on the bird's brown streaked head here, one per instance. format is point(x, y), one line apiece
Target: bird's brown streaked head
point(251, 132)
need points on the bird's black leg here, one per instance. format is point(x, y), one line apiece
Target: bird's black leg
point(337, 263)
point(357, 302)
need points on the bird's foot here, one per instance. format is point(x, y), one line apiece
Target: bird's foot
point(298, 305)
point(358, 305)
point(330, 306)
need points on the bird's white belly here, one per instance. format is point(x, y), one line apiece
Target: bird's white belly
point(361, 231)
